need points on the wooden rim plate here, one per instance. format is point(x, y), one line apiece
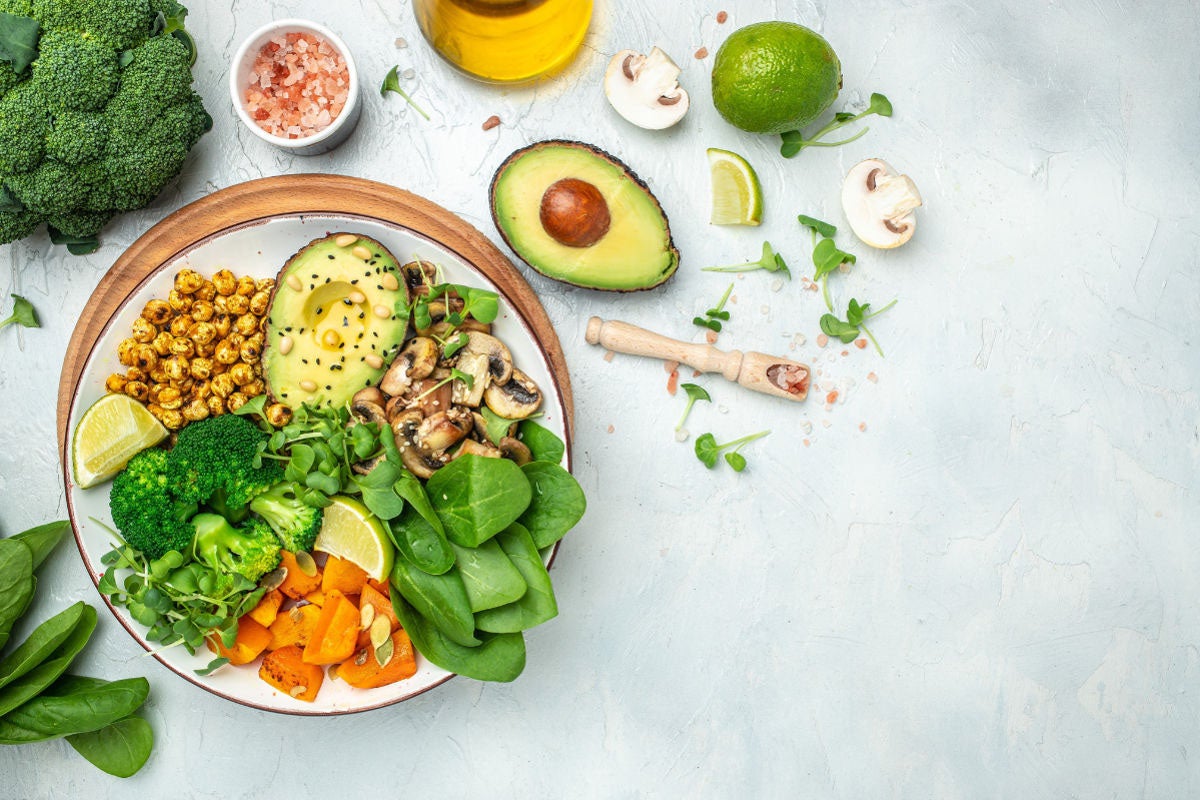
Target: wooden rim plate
point(252, 228)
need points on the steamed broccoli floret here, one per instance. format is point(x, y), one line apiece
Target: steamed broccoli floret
point(103, 118)
point(212, 463)
point(295, 523)
point(251, 551)
point(145, 510)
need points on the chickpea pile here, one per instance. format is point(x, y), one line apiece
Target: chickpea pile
point(196, 354)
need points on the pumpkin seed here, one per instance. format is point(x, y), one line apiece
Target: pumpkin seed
point(296, 614)
point(384, 653)
point(367, 616)
point(296, 691)
point(381, 631)
point(361, 658)
point(274, 579)
point(332, 671)
point(306, 564)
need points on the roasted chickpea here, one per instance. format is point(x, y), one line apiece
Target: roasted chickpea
point(181, 325)
point(263, 324)
point(177, 368)
point(195, 410)
point(206, 350)
point(178, 301)
point(115, 383)
point(135, 374)
point(144, 330)
point(182, 347)
point(201, 368)
point(222, 324)
point(145, 357)
point(222, 385)
point(246, 324)
point(235, 401)
point(278, 414)
point(227, 352)
point(237, 304)
point(159, 373)
point(216, 405)
point(156, 410)
point(251, 349)
point(264, 285)
point(137, 390)
point(206, 292)
point(162, 343)
point(220, 304)
point(259, 302)
point(224, 282)
point(127, 351)
point(245, 286)
point(254, 388)
point(172, 419)
point(202, 332)
point(241, 373)
point(202, 310)
point(157, 312)
point(187, 281)
point(170, 398)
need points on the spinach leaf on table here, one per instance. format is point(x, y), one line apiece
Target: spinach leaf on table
point(542, 443)
point(16, 584)
point(489, 576)
point(119, 749)
point(74, 704)
point(500, 657)
point(33, 682)
point(534, 607)
point(441, 599)
point(556, 502)
point(477, 497)
point(43, 539)
point(44, 640)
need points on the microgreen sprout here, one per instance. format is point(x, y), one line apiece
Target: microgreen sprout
point(826, 258)
point(392, 84)
point(714, 316)
point(465, 377)
point(856, 315)
point(23, 314)
point(770, 261)
point(707, 450)
point(817, 226)
point(794, 141)
point(694, 393)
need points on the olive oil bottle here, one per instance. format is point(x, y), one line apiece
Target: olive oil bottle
point(505, 41)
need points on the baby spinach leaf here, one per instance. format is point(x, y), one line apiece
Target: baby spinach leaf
point(497, 426)
point(489, 576)
point(16, 583)
point(424, 546)
point(119, 749)
point(44, 640)
point(477, 497)
point(556, 502)
point(542, 442)
point(76, 704)
point(43, 539)
point(499, 657)
point(31, 683)
point(441, 599)
point(534, 607)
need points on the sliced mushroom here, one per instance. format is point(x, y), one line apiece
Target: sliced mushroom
point(645, 89)
point(499, 358)
point(477, 366)
point(470, 447)
point(516, 450)
point(419, 276)
point(417, 360)
point(879, 204)
point(370, 394)
point(418, 461)
point(516, 399)
point(443, 429)
point(437, 313)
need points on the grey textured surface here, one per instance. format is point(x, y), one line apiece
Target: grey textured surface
point(988, 592)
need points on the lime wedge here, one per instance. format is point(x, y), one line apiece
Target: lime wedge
point(736, 194)
point(113, 430)
point(351, 532)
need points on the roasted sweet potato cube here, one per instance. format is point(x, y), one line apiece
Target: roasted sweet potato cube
point(297, 584)
point(294, 626)
point(286, 670)
point(252, 639)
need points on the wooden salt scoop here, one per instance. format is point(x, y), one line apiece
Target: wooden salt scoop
point(758, 371)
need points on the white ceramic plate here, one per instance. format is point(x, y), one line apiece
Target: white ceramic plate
point(259, 249)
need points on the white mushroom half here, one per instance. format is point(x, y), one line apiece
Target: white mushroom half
point(879, 204)
point(645, 89)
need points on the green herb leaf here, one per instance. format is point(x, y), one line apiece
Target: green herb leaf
point(820, 227)
point(736, 460)
point(254, 407)
point(391, 83)
point(694, 393)
point(838, 329)
point(18, 40)
point(24, 314)
point(769, 261)
point(497, 427)
point(880, 106)
point(706, 449)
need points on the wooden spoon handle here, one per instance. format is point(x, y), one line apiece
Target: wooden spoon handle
point(622, 337)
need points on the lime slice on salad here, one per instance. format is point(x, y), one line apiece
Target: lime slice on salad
point(351, 532)
point(113, 430)
point(736, 193)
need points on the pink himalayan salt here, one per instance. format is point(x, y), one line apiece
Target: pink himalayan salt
point(299, 85)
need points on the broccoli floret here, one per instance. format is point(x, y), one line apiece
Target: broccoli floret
point(144, 509)
point(75, 74)
point(212, 463)
point(251, 551)
point(24, 123)
point(118, 24)
point(295, 523)
point(77, 137)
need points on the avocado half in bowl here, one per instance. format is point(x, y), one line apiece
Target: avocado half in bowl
point(579, 215)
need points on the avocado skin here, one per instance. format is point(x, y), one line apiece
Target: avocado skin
point(591, 151)
point(290, 314)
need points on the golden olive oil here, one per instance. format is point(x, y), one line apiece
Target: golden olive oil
point(505, 41)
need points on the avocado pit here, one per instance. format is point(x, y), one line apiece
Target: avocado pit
point(574, 213)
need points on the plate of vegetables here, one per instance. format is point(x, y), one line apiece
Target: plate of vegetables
point(318, 463)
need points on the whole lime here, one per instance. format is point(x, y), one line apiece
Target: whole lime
point(772, 77)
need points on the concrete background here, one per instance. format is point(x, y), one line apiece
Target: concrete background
point(988, 592)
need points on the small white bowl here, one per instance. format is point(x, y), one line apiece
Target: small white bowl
point(243, 68)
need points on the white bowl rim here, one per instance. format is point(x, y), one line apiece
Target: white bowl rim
point(235, 88)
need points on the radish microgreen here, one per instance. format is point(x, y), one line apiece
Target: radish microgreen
point(23, 314)
point(713, 318)
point(794, 141)
point(849, 329)
point(694, 393)
point(707, 450)
point(391, 83)
point(770, 261)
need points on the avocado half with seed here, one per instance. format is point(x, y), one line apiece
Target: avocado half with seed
point(332, 326)
point(579, 215)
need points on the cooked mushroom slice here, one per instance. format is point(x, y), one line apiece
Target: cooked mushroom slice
point(366, 411)
point(443, 429)
point(516, 450)
point(414, 362)
point(426, 396)
point(437, 312)
point(419, 276)
point(419, 462)
point(645, 89)
point(499, 358)
point(879, 204)
point(517, 399)
point(477, 366)
point(370, 394)
point(470, 447)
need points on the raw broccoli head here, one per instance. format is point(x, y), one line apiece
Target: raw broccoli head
point(149, 516)
point(295, 523)
point(101, 121)
point(250, 551)
point(213, 463)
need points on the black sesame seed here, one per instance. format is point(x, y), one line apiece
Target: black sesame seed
point(330, 257)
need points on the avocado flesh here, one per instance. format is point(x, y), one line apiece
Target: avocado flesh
point(636, 252)
point(333, 340)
